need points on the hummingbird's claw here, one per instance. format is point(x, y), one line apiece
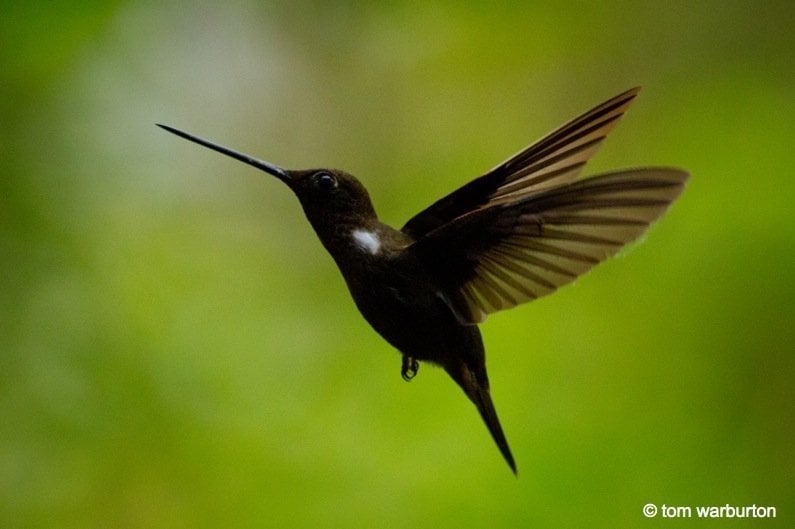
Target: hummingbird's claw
point(409, 368)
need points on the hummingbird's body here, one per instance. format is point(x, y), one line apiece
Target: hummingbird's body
point(516, 233)
point(401, 300)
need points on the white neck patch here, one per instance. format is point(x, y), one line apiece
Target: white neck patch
point(367, 241)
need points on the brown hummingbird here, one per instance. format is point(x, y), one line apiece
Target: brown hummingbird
point(517, 233)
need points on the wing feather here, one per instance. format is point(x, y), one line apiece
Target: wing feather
point(510, 253)
point(554, 160)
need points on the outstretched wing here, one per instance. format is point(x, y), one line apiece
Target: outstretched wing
point(555, 159)
point(511, 252)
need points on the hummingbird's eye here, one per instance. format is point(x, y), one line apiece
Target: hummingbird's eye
point(325, 181)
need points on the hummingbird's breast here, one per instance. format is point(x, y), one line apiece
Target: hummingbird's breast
point(397, 296)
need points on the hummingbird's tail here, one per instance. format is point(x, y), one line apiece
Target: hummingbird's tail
point(477, 389)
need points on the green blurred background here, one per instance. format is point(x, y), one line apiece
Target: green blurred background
point(177, 350)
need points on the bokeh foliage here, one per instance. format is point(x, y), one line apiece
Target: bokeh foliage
point(177, 350)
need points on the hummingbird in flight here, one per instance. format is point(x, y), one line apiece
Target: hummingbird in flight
point(516, 233)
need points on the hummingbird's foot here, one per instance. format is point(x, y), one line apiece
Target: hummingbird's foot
point(410, 368)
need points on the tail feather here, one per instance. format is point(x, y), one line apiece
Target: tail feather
point(478, 392)
point(482, 400)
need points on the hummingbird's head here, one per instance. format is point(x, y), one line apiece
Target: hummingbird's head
point(329, 197)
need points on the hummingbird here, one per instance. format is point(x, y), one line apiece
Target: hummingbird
point(512, 235)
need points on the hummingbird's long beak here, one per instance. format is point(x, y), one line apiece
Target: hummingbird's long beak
point(269, 168)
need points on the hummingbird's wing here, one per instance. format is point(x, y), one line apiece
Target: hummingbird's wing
point(514, 251)
point(553, 160)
